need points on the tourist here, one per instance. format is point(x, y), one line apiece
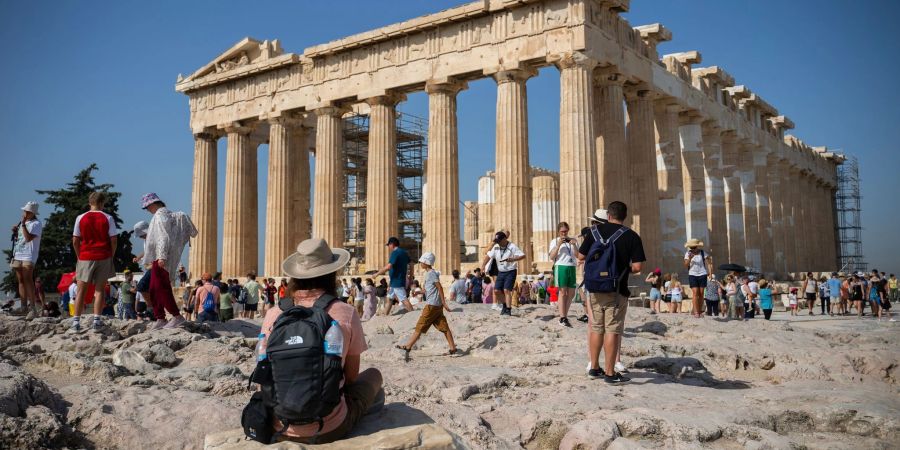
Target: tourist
point(875, 295)
point(487, 294)
point(765, 298)
point(833, 291)
point(204, 309)
point(857, 294)
point(282, 290)
point(127, 292)
point(711, 296)
point(735, 302)
point(505, 255)
point(187, 300)
point(270, 292)
point(676, 293)
point(237, 303)
point(792, 301)
point(343, 290)
point(371, 306)
point(654, 279)
point(313, 274)
point(563, 249)
point(824, 296)
point(182, 275)
point(523, 294)
point(253, 291)
point(27, 238)
point(359, 297)
point(396, 268)
point(226, 300)
point(753, 289)
point(167, 235)
point(609, 308)
point(666, 294)
point(699, 265)
point(435, 305)
point(457, 289)
point(39, 290)
point(893, 290)
point(845, 295)
point(381, 293)
point(95, 238)
point(416, 294)
point(475, 286)
point(809, 291)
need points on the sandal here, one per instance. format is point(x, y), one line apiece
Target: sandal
point(453, 352)
point(406, 351)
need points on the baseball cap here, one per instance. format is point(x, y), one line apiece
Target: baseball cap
point(393, 240)
point(499, 236)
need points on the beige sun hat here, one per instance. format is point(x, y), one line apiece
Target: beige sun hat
point(314, 258)
point(693, 243)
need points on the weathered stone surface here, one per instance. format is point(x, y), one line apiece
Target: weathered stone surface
point(590, 435)
point(421, 437)
point(133, 361)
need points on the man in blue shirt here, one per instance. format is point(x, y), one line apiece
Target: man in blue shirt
point(397, 265)
point(834, 291)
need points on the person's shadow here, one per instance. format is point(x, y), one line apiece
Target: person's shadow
point(393, 415)
point(685, 370)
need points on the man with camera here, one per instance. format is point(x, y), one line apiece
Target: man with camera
point(504, 254)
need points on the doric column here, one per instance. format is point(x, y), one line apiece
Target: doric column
point(832, 228)
point(747, 175)
point(644, 211)
point(671, 185)
point(485, 211)
point(694, 178)
point(764, 215)
point(715, 192)
point(470, 221)
point(301, 224)
point(328, 221)
point(240, 237)
point(791, 209)
point(279, 201)
point(440, 213)
point(825, 262)
point(204, 206)
point(382, 214)
point(577, 151)
point(734, 208)
point(512, 188)
point(801, 214)
point(612, 154)
point(545, 213)
point(777, 168)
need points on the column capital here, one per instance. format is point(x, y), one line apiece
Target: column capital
point(711, 127)
point(572, 59)
point(387, 99)
point(285, 120)
point(609, 75)
point(513, 75)
point(209, 134)
point(690, 117)
point(639, 92)
point(333, 111)
point(448, 86)
point(236, 127)
point(666, 104)
point(729, 136)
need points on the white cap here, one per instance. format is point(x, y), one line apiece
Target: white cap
point(427, 258)
point(31, 207)
point(141, 228)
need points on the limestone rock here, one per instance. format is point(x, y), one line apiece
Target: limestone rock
point(420, 437)
point(133, 361)
point(590, 435)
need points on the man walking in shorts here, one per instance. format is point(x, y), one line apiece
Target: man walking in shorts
point(94, 239)
point(608, 308)
point(397, 266)
point(506, 256)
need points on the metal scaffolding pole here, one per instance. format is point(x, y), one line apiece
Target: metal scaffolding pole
point(849, 212)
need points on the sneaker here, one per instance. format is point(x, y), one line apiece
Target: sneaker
point(176, 322)
point(159, 324)
point(505, 311)
point(76, 327)
point(619, 367)
point(584, 318)
point(595, 373)
point(565, 322)
point(617, 378)
point(97, 326)
point(892, 320)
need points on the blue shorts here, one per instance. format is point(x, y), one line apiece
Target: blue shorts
point(397, 293)
point(506, 281)
point(695, 281)
point(654, 294)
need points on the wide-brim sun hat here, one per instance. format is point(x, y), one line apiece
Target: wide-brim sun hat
point(314, 258)
point(693, 243)
point(31, 207)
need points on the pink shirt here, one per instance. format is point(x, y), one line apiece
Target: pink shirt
point(487, 296)
point(354, 345)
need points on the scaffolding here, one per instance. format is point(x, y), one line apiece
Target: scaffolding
point(849, 210)
point(412, 149)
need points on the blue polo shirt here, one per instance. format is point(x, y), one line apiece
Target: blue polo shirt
point(399, 264)
point(834, 287)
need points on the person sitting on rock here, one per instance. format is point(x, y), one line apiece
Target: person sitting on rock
point(435, 305)
point(313, 273)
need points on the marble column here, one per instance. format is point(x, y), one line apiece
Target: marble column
point(715, 193)
point(777, 169)
point(470, 221)
point(485, 211)
point(279, 203)
point(204, 206)
point(577, 151)
point(440, 214)
point(802, 236)
point(832, 228)
point(609, 124)
point(382, 214)
point(301, 223)
point(734, 208)
point(764, 215)
point(791, 222)
point(691, 134)
point(644, 210)
point(747, 175)
point(671, 185)
point(512, 185)
point(240, 237)
point(545, 210)
point(328, 221)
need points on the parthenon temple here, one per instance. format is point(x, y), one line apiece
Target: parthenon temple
point(693, 153)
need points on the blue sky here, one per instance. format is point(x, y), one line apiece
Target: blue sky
point(86, 82)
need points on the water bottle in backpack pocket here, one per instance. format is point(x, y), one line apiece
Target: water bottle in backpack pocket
point(600, 271)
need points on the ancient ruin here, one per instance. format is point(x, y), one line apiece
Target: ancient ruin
point(725, 171)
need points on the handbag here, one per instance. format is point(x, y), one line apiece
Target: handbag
point(256, 419)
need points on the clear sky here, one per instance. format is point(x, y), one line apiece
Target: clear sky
point(85, 82)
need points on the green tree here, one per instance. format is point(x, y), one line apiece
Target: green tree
point(56, 254)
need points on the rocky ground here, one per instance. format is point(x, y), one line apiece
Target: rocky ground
point(813, 382)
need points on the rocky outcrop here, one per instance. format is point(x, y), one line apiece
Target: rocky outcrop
point(416, 437)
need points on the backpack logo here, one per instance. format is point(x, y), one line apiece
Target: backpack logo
point(294, 340)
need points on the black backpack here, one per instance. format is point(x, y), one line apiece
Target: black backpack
point(300, 383)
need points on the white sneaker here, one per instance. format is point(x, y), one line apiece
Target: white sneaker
point(30, 315)
point(159, 324)
point(176, 322)
point(620, 367)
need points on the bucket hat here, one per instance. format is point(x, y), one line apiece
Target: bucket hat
point(427, 258)
point(31, 207)
point(149, 199)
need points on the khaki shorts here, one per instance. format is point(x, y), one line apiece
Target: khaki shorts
point(609, 312)
point(432, 315)
point(96, 272)
point(19, 264)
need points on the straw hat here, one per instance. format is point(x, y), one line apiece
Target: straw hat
point(694, 243)
point(314, 258)
point(599, 216)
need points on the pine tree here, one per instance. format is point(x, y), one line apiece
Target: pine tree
point(56, 255)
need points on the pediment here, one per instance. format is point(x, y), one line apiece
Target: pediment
point(247, 51)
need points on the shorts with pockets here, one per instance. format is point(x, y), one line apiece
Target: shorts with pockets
point(697, 281)
point(506, 281)
point(96, 272)
point(608, 309)
point(654, 294)
point(432, 315)
point(398, 293)
point(564, 276)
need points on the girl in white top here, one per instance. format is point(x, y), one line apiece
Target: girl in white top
point(676, 292)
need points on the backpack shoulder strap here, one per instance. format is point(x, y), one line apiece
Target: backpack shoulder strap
point(596, 233)
point(324, 301)
point(618, 234)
